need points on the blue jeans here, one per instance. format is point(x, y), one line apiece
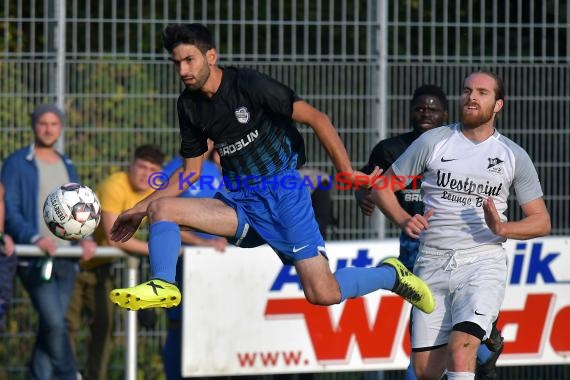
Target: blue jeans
point(7, 271)
point(52, 356)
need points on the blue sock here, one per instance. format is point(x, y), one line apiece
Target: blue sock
point(410, 374)
point(164, 248)
point(483, 354)
point(355, 282)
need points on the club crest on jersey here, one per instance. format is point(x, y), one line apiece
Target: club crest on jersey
point(495, 165)
point(242, 115)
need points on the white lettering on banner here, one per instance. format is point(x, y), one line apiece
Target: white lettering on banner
point(249, 311)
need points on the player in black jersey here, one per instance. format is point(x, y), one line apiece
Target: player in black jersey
point(428, 110)
point(251, 119)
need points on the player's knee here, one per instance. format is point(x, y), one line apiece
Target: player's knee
point(321, 298)
point(157, 210)
point(320, 301)
point(463, 346)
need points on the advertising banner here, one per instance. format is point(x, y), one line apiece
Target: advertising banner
point(244, 312)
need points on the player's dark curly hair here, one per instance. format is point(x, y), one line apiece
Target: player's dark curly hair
point(431, 90)
point(150, 153)
point(190, 34)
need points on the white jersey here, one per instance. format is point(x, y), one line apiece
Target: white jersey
point(458, 175)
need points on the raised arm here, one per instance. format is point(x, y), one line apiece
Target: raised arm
point(327, 134)
point(536, 221)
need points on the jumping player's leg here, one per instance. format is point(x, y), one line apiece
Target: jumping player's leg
point(321, 287)
point(165, 216)
point(300, 242)
point(319, 284)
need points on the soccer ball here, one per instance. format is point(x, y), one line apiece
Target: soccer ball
point(72, 211)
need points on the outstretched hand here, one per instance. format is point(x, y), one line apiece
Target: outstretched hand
point(492, 217)
point(414, 226)
point(126, 225)
point(362, 180)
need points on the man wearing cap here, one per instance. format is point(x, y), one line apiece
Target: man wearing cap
point(29, 175)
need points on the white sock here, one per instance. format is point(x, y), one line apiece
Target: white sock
point(460, 375)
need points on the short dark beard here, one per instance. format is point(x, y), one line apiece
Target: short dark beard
point(202, 77)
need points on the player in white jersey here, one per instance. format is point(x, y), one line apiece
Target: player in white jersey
point(467, 170)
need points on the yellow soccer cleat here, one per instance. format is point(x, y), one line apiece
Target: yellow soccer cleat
point(153, 293)
point(410, 287)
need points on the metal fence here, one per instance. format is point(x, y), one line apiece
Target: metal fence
point(357, 60)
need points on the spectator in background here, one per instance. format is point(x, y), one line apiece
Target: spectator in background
point(29, 175)
point(171, 354)
point(118, 192)
point(8, 262)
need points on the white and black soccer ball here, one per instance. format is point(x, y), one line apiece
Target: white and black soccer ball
point(72, 211)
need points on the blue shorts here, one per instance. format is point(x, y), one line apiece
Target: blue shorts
point(278, 212)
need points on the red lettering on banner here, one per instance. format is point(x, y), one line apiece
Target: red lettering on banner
point(560, 336)
point(530, 321)
point(247, 359)
point(376, 338)
point(333, 342)
point(269, 358)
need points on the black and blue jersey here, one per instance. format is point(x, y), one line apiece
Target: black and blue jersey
point(249, 120)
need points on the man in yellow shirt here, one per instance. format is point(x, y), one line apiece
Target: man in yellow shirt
point(119, 192)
